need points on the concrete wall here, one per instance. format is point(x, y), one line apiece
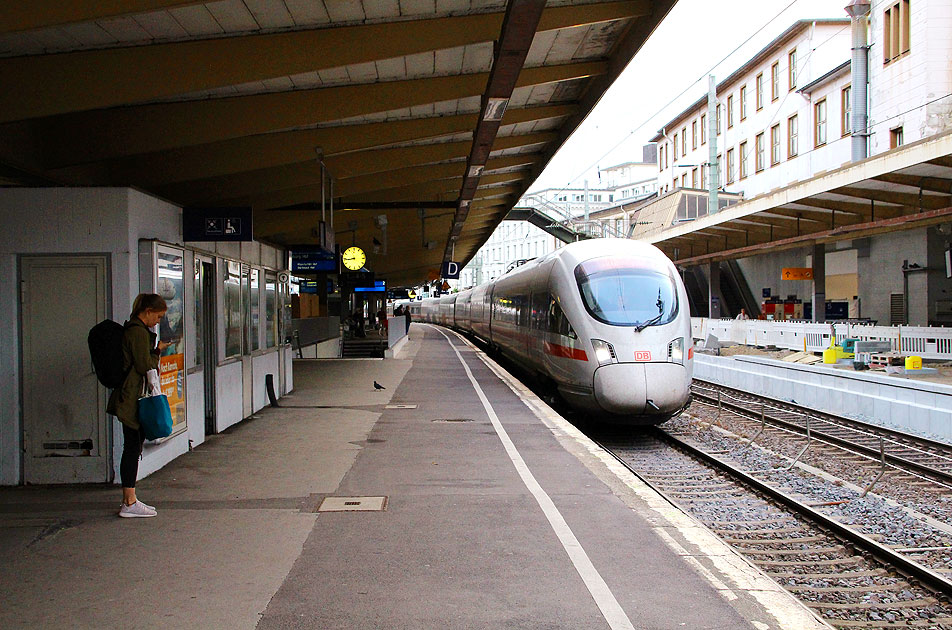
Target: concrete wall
point(262, 365)
point(228, 388)
point(915, 407)
point(881, 275)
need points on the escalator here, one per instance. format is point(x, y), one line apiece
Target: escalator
point(735, 291)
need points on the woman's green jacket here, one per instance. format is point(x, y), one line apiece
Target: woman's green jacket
point(139, 356)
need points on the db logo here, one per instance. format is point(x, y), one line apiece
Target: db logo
point(642, 355)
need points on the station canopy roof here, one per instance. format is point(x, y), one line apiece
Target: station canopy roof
point(901, 189)
point(438, 114)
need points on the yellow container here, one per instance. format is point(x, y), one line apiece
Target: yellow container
point(913, 363)
point(829, 355)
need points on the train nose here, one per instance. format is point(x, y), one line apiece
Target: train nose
point(621, 388)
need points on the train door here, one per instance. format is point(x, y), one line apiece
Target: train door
point(65, 438)
point(206, 319)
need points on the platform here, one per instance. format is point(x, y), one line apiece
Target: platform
point(496, 514)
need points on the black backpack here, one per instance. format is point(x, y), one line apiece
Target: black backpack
point(105, 348)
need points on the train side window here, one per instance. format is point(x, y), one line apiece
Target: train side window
point(558, 322)
point(539, 307)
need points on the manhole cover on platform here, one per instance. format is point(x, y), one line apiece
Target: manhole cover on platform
point(452, 420)
point(400, 406)
point(353, 504)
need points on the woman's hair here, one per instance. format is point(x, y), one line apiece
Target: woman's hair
point(148, 302)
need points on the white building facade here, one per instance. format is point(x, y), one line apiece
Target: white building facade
point(782, 117)
point(910, 71)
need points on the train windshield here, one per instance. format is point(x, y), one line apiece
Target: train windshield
point(627, 291)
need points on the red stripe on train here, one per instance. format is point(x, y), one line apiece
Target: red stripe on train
point(564, 351)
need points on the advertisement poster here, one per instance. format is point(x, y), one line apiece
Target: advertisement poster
point(170, 284)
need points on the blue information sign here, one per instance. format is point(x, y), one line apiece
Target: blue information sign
point(315, 259)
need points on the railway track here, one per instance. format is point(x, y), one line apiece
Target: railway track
point(899, 450)
point(847, 577)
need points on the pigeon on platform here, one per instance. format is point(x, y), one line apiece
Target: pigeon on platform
point(378, 386)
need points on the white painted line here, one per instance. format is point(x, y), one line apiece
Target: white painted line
point(604, 599)
point(789, 612)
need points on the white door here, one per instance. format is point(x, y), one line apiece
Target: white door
point(64, 417)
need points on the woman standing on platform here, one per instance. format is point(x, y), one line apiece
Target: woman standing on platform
point(140, 354)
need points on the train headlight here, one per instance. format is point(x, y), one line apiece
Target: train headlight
point(604, 353)
point(676, 350)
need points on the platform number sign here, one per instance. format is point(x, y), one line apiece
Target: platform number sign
point(450, 270)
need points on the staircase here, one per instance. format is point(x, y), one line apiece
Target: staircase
point(364, 348)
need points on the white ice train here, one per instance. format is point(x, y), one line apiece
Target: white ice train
point(606, 321)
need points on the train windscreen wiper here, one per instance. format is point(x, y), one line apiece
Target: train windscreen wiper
point(656, 318)
point(653, 320)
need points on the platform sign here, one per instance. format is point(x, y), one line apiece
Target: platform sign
point(217, 224)
point(313, 259)
point(378, 286)
point(796, 273)
point(450, 270)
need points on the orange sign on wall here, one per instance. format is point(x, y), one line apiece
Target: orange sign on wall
point(796, 273)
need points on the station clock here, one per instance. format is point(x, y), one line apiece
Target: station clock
point(354, 258)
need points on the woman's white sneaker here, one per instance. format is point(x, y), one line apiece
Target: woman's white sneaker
point(136, 510)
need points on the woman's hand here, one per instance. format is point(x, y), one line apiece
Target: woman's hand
point(163, 345)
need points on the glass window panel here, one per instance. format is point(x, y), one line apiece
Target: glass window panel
point(231, 295)
point(170, 284)
point(270, 309)
point(255, 285)
point(198, 338)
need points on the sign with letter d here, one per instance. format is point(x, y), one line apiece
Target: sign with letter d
point(451, 270)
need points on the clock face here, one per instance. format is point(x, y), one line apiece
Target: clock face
point(354, 258)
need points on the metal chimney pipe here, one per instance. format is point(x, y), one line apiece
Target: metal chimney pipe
point(858, 10)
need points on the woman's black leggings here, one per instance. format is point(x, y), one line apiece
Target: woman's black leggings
point(131, 450)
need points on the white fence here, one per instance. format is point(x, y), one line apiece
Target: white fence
point(923, 341)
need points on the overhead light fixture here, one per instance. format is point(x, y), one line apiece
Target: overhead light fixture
point(495, 108)
point(476, 171)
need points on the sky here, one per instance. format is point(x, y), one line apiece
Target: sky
point(670, 73)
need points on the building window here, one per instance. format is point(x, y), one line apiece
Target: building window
point(759, 152)
point(759, 91)
point(792, 133)
point(792, 69)
point(694, 177)
point(660, 158)
point(596, 197)
point(819, 123)
point(703, 177)
point(743, 102)
point(717, 118)
point(730, 111)
point(694, 135)
point(895, 138)
point(703, 128)
point(775, 81)
point(675, 145)
point(684, 180)
point(896, 31)
point(720, 171)
point(846, 102)
point(730, 166)
point(743, 160)
point(775, 145)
